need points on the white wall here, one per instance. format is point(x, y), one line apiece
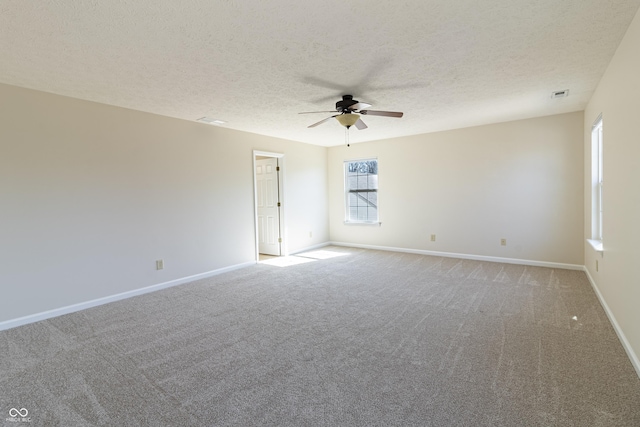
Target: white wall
point(617, 98)
point(521, 180)
point(91, 195)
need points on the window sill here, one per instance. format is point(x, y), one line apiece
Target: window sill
point(596, 244)
point(362, 223)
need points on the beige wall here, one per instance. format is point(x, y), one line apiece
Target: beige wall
point(521, 180)
point(617, 98)
point(91, 195)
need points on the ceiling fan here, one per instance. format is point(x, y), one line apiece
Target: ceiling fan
point(349, 112)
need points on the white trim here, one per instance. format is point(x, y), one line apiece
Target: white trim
point(467, 256)
point(635, 361)
point(597, 121)
point(378, 223)
point(13, 323)
point(346, 193)
point(32, 318)
point(621, 336)
point(597, 178)
point(596, 245)
point(284, 246)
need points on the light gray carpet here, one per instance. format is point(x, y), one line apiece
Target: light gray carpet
point(370, 338)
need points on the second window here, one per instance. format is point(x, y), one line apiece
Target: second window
point(361, 187)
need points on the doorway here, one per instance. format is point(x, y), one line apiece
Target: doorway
point(268, 175)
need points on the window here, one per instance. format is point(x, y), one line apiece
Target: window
point(361, 188)
point(597, 179)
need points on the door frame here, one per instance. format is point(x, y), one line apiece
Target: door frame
point(281, 193)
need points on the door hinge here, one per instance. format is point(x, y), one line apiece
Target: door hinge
point(277, 168)
point(279, 239)
point(278, 204)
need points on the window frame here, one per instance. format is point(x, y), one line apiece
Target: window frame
point(348, 190)
point(597, 184)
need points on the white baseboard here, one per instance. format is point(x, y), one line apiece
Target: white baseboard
point(12, 323)
point(467, 256)
point(621, 336)
point(635, 361)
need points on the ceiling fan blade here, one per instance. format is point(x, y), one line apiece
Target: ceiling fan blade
point(322, 121)
point(359, 106)
point(314, 112)
point(381, 113)
point(361, 125)
point(322, 83)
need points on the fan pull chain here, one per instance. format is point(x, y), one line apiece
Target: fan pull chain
point(346, 135)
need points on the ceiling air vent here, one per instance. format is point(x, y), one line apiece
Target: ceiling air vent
point(560, 94)
point(211, 121)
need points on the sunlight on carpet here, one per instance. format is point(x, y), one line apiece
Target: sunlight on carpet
point(322, 254)
point(287, 261)
point(302, 258)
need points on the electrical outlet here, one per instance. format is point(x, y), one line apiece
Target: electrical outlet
point(310, 234)
point(503, 242)
point(159, 264)
point(433, 237)
point(596, 265)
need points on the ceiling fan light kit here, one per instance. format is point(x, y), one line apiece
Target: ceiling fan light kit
point(347, 120)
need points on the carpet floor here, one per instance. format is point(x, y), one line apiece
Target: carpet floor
point(334, 337)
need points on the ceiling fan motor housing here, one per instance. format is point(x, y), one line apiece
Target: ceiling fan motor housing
point(347, 101)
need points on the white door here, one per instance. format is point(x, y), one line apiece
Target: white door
point(268, 210)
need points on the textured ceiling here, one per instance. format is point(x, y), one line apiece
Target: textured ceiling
point(256, 64)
